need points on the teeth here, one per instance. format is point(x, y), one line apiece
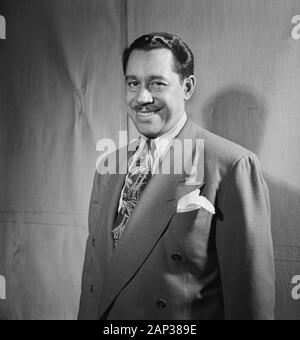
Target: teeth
point(145, 114)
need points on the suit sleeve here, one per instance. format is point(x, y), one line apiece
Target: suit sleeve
point(244, 243)
point(85, 304)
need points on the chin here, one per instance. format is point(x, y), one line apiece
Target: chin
point(150, 133)
point(149, 129)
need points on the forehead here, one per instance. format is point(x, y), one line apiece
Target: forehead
point(150, 63)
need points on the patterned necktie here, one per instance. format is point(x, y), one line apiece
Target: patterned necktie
point(136, 181)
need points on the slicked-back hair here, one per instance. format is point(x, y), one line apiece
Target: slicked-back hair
point(182, 54)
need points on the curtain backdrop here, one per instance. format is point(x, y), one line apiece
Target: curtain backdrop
point(61, 90)
point(61, 81)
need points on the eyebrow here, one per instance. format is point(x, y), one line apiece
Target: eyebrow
point(153, 77)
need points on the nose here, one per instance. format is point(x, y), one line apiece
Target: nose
point(144, 97)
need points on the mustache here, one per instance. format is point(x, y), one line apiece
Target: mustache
point(147, 107)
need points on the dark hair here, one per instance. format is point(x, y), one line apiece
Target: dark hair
point(183, 56)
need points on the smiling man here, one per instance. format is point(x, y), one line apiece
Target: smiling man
point(157, 247)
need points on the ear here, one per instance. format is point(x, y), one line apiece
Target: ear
point(189, 85)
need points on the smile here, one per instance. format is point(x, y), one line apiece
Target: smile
point(145, 114)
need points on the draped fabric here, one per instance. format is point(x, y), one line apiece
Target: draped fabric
point(61, 90)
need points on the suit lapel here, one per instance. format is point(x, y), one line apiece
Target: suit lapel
point(145, 227)
point(110, 193)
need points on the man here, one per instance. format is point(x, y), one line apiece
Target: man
point(149, 255)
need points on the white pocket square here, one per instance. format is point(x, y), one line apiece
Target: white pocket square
point(194, 201)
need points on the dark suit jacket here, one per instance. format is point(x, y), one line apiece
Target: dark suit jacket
point(191, 265)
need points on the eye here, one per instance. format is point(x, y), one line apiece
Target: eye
point(157, 85)
point(132, 84)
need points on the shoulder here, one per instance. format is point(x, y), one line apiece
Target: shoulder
point(224, 160)
point(220, 151)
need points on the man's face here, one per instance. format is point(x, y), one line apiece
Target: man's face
point(154, 93)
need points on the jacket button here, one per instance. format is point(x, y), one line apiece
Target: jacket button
point(161, 303)
point(91, 288)
point(93, 242)
point(176, 257)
